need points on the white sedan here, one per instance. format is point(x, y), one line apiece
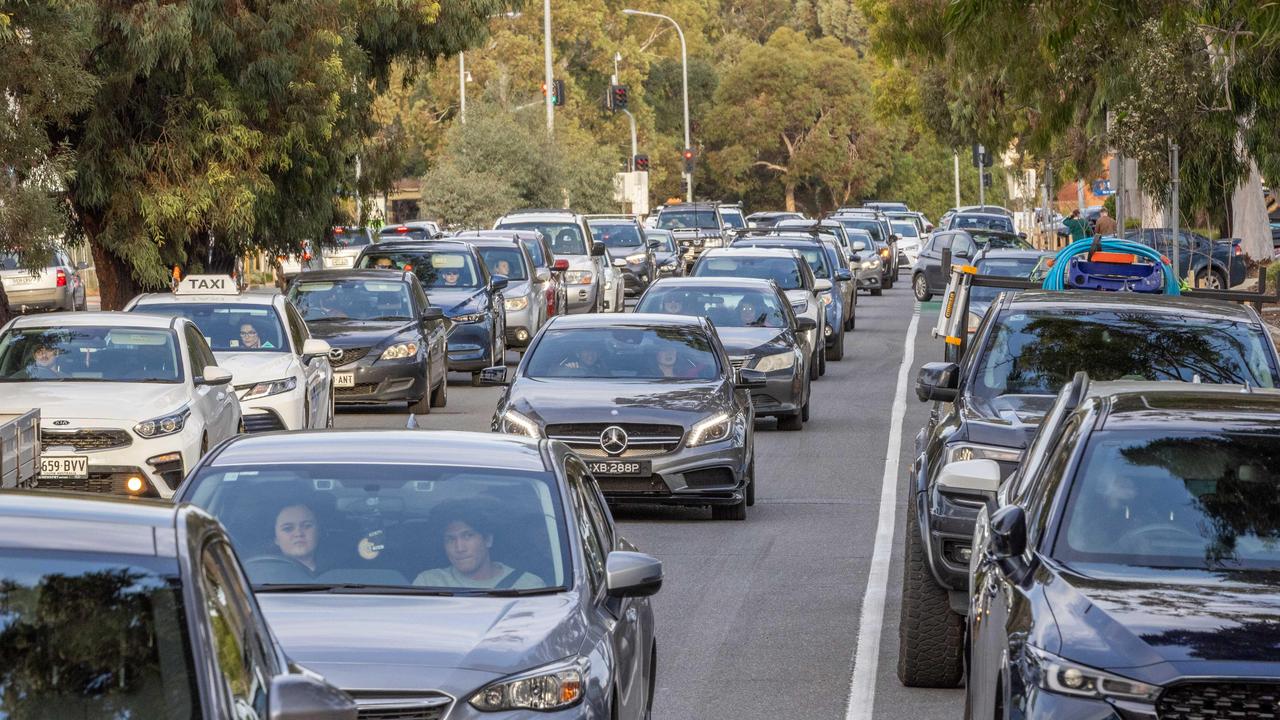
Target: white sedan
point(128, 402)
point(282, 374)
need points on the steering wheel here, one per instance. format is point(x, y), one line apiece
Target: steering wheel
point(1139, 534)
point(275, 568)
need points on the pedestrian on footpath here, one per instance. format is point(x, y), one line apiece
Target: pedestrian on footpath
point(1077, 226)
point(1106, 224)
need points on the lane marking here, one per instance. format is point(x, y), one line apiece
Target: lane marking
point(866, 656)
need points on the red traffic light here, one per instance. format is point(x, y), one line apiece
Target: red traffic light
point(688, 154)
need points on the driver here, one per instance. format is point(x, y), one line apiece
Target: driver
point(467, 532)
point(296, 533)
point(45, 365)
point(450, 276)
point(250, 338)
point(749, 314)
point(673, 304)
point(585, 361)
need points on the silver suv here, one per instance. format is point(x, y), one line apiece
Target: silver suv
point(593, 284)
point(56, 286)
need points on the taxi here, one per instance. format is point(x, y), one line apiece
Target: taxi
point(282, 374)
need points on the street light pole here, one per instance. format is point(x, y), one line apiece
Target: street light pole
point(462, 88)
point(684, 73)
point(546, 58)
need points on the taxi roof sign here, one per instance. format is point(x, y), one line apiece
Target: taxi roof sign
point(207, 285)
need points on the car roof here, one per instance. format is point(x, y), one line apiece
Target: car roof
point(496, 242)
point(384, 447)
point(500, 233)
point(1172, 305)
point(744, 251)
point(95, 319)
point(777, 240)
point(1166, 405)
point(997, 253)
point(694, 205)
point(252, 297)
point(975, 213)
point(353, 274)
point(420, 243)
point(716, 282)
point(535, 213)
point(632, 320)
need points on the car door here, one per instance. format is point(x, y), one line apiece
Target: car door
point(316, 370)
point(434, 333)
point(213, 402)
point(933, 270)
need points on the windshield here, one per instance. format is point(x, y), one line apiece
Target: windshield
point(982, 222)
point(661, 353)
point(683, 219)
point(1021, 268)
point(1155, 498)
point(352, 299)
point(505, 261)
point(815, 256)
point(906, 229)
point(351, 237)
point(667, 239)
point(732, 217)
point(11, 261)
point(434, 268)
point(617, 235)
point(1036, 353)
point(431, 527)
point(782, 270)
point(89, 354)
point(406, 232)
point(98, 637)
point(234, 327)
point(566, 238)
point(871, 225)
point(725, 308)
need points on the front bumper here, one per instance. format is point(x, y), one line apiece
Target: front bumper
point(382, 381)
point(471, 346)
point(708, 475)
point(582, 298)
point(635, 278)
point(286, 411)
point(521, 325)
point(111, 468)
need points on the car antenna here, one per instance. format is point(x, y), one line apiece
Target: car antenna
point(1195, 379)
point(413, 422)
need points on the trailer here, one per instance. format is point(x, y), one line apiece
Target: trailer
point(19, 448)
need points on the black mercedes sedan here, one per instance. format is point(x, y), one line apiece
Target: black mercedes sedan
point(650, 402)
point(388, 344)
point(1132, 569)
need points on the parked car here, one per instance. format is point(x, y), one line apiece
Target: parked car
point(667, 254)
point(447, 574)
point(628, 251)
point(589, 273)
point(138, 609)
point(1214, 265)
point(55, 286)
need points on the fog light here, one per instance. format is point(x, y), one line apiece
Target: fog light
point(522, 335)
point(134, 484)
point(965, 553)
point(827, 331)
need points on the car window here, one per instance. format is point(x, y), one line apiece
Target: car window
point(201, 346)
point(235, 327)
point(434, 268)
point(732, 217)
point(906, 229)
point(784, 271)
point(667, 239)
point(617, 234)
point(728, 307)
point(642, 353)
point(1038, 450)
point(345, 237)
point(869, 224)
point(813, 255)
point(566, 237)
point(243, 664)
point(89, 354)
point(1019, 268)
point(506, 261)
point(536, 251)
point(1050, 478)
point(352, 299)
point(594, 547)
point(688, 218)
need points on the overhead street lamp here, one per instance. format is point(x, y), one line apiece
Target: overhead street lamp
point(684, 72)
point(464, 77)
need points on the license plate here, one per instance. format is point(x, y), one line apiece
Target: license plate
point(620, 467)
point(344, 380)
point(64, 466)
point(340, 262)
point(20, 280)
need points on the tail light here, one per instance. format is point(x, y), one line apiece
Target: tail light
point(1237, 250)
point(402, 229)
point(62, 277)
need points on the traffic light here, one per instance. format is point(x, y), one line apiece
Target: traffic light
point(617, 98)
point(986, 179)
point(690, 161)
point(641, 163)
point(557, 92)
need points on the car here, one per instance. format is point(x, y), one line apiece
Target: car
point(829, 229)
point(128, 402)
point(696, 226)
point(1214, 265)
point(980, 221)
point(769, 218)
point(759, 331)
point(865, 261)
point(1029, 344)
point(341, 249)
point(282, 374)
point(549, 277)
point(627, 248)
point(56, 285)
point(524, 301)
point(136, 608)
point(909, 239)
point(467, 575)
point(650, 402)
point(886, 207)
point(929, 277)
point(410, 230)
point(667, 254)
point(792, 274)
point(824, 259)
point(986, 209)
point(589, 269)
point(876, 223)
point(456, 280)
point(841, 255)
point(732, 215)
point(388, 342)
point(1130, 566)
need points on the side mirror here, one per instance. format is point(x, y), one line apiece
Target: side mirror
point(432, 313)
point(1008, 528)
point(1022, 235)
point(214, 375)
point(597, 249)
point(970, 476)
point(938, 381)
point(855, 258)
point(495, 375)
point(654, 245)
point(806, 324)
point(560, 265)
point(498, 282)
point(302, 696)
point(895, 238)
point(821, 285)
point(749, 379)
point(859, 246)
point(632, 574)
point(314, 347)
point(962, 253)
point(843, 275)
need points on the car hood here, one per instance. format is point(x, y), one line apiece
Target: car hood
point(1013, 410)
point(520, 288)
point(360, 641)
point(747, 340)
point(455, 300)
point(252, 367)
point(623, 252)
point(357, 333)
point(1155, 624)
point(81, 403)
point(579, 400)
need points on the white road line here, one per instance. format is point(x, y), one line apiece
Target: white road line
point(866, 657)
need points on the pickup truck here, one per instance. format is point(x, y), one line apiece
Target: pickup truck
point(19, 448)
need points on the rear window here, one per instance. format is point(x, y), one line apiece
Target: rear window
point(783, 271)
point(351, 237)
point(505, 261)
point(617, 235)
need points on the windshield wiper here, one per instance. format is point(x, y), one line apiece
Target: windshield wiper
point(350, 588)
point(521, 592)
point(387, 317)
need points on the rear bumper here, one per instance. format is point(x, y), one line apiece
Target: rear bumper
point(36, 300)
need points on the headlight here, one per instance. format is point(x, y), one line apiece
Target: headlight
point(619, 262)
point(165, 425)
point(884, 253)
point(551, 687)
point(712, 429)
point(513, 423)
point(800, 307)
point(970, 451)
point(637, 258)
point(465, 319)
point(777, 361)
point(270, 387)
point(870, 264)
point(1058, 675)
point(827, 299)
point(400, 351)
point(578, 277)
point(516, 303)
point(669, 263)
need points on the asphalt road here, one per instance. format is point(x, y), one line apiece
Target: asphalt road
point(763, 619)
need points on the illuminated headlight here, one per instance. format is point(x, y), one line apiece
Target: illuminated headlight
point(827, 299)
point(669, 263)
point(270, 387)
point(400, 351)
point(800, 307)
point(775, 362)
point(551, 687)
point(578, 277)
point(712, 241)
point(513, 423)
point(637, 258)
point(712, 429)
point(165, 425)
point(969, 451)
point(870, 264)
point(466, 319)
point(619, 262)
point(1061, 676)
point(516, 303)
point(884, 253)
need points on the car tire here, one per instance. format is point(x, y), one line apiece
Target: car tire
point(822, 363)
point(876, 292)
point(751, 483)
point(813, 367)
point(792, 422)
point(423, 404)
point(440, 396)
point(835, 353)
point(653, 682)
point(930, 635)
point(735, 512)
point(920, 285)
point(475, 379)
point(1211, 279)
point(853, 319)
point(804, 411)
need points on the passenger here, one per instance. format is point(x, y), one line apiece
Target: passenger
point(502, 268)
point(467, 533)
point(384, 263)
point(297, 534)
point(584, 360)
point(46, 365)
point(249, 337)
point(450, 276)
point(672, 365)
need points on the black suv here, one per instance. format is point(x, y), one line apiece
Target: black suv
point(987, 407)
point(696, 227)
point(1130, 570)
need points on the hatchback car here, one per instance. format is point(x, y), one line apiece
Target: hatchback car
point(824, 260)
point(666, 253)
point(524, 301)
point(651, 402)
point(627, 248)
point(549, 274)
point(388, 344)
point(137, 609)
point(56, 285)
point(588, 275)
point(445, 574)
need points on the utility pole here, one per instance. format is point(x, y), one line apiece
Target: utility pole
point(955, 157)
point(1119, 193)
point(982, 170)
point(546, 60)
point(462, 88)
point(1173, 209)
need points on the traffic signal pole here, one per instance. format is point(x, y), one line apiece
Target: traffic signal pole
point(684, 73)
point(546, 59)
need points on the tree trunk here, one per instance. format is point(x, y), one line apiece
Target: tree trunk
point(1249, 216)
point(5, 315)
point(116, 285)
point(791, 196)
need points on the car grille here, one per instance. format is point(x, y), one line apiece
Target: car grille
point(357, 389)
point(263, 422)
point(85, 440)
point(739, 362)
point(104, 483)
point(1212, 700)
point(643, 440)
point(371, 706)
point(347, 355)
